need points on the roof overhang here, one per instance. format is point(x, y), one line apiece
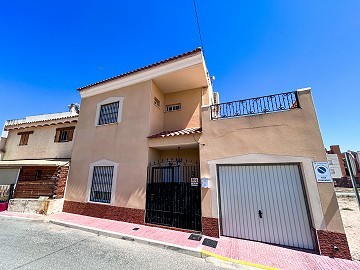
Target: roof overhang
point(32, 162)
point(180, 74)
point(45, 123)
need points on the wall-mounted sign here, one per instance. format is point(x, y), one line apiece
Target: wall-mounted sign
point(322, 171)
point(194, 182)
point(205, 182)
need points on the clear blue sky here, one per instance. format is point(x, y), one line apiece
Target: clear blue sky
point(254, 48)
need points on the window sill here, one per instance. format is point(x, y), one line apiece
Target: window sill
point(101, 203)
point(110, 124)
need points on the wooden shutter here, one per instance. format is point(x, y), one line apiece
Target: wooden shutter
point(70, 131)
point(57, 135)
point(24, 137)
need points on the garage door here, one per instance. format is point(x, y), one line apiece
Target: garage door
point(264, 203)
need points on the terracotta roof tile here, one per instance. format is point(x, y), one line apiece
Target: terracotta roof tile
point(183, 55)
point(172, 133)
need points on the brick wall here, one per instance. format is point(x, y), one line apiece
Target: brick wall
point(50, 183)
point(131, 215)
point(210, 227)
point(333, 244)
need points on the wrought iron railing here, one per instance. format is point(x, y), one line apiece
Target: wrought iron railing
point(259, 105)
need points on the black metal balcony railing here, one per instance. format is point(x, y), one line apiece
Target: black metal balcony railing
point(259, 105)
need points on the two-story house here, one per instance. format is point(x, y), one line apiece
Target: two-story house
point(36, 159)
point(154, 146)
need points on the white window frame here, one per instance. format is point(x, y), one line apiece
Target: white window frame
point(105, 102)
point(103, 162)
point(172, 106)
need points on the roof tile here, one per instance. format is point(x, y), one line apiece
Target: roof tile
point(172, 133)
point(183, 55)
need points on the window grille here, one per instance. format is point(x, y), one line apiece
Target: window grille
point(64, 134)
point(109, 113)
point(101, 184)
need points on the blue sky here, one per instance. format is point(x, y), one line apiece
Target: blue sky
point(253, 48)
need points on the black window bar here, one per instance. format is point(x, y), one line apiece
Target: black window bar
point(101, 184)
point(258, 105)
point(109, 113)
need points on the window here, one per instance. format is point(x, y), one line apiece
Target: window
point(24, 137)
point(101, 185)
point(109, 113)
point(64, 134)
point(174, 107)
point(156, 102)
point(38, 174)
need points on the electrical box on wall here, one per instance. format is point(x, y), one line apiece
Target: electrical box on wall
point(204, 182)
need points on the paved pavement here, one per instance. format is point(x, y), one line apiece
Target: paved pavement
point(33, 244)
point(244, 252)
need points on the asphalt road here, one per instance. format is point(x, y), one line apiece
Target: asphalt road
point(29, 244)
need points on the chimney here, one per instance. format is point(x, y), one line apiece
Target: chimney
point(74, 108)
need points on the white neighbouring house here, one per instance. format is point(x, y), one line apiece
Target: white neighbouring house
point(334, 166)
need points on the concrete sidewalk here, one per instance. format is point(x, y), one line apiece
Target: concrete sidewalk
point(247, 253)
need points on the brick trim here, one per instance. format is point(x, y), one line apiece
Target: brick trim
point(131, 215)
point(328, 240)
point(210, 226)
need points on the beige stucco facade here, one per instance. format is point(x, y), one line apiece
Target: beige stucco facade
point(145, 134)
point(124, 143)
point(291, 136)
point(40, 144)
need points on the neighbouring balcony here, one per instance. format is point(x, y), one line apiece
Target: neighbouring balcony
point(254, 106)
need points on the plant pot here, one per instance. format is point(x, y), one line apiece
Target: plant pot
point(3, 206)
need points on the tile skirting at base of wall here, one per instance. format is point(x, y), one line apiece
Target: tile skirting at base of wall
point(131, 215)
point(210, 227)
point(333, 244)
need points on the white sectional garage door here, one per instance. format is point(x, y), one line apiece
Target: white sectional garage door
point(264, 203)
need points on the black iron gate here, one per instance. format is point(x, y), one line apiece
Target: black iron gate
point(173, 196)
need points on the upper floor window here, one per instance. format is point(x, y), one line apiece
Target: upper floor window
point(64, 134)
point(24, 137)
point(173, 107)
point(109, 111)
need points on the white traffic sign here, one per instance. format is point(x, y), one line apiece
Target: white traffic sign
point(322, 172)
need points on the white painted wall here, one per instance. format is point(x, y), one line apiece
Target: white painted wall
point(334, 165)
point(41, 144)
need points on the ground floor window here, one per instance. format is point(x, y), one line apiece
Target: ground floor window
point(101, 184)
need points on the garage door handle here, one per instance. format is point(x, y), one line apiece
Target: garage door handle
point(260, 214)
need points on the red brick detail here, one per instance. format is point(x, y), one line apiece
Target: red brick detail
point(62, 173)
point(210, 227)
point(329, 242)
point(36, 181)
point(131, 215)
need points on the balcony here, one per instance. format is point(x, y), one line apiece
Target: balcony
point(254, 106)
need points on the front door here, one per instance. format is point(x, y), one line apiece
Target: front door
point(173, 196)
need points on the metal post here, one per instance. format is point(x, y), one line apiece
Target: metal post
point(352, 177)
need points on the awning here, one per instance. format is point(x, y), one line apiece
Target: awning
point(8, 176)
point(32, 162)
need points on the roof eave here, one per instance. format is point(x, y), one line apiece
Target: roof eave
point(149, 73)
